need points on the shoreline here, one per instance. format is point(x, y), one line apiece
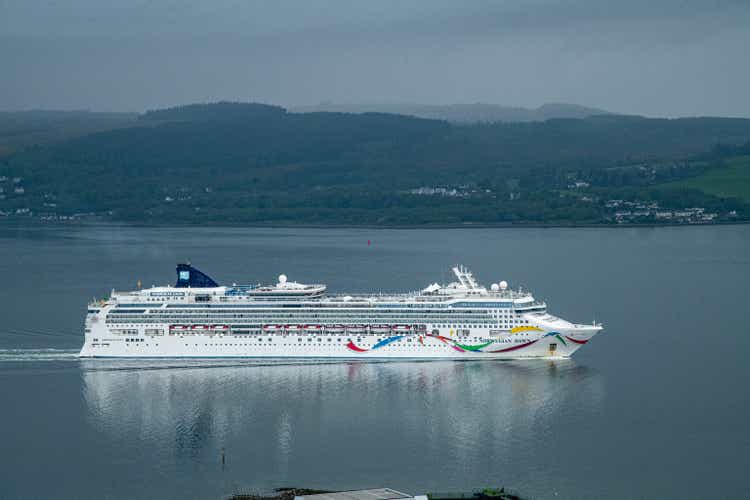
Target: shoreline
point(287, 493)
point(24, 224)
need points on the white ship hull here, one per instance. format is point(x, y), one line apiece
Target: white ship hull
point(460, 321)
point(274, 345)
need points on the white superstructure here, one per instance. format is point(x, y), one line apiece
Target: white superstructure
point(199, 318)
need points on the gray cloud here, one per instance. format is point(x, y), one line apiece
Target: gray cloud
point(666, 58)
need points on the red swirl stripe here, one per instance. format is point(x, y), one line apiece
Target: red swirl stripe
point(354, 348)
point(446, 340)
point(519, 346)
point(580, 342)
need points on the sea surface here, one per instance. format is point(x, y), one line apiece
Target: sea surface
point(657, 406)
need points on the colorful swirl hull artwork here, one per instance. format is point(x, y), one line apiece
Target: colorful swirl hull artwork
point(479, 348)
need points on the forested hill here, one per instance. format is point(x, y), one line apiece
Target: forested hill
point(250, 163)
point(462, 113)
point(22, 129)
point(221, 111)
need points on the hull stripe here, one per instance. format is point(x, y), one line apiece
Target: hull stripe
point(579, 342)
point(515, 347)
point(354, 348)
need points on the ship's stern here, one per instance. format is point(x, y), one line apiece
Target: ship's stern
point(94, 331)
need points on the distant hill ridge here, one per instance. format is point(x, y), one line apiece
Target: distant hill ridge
point(463, 113)
point(253, 163)
point(220, 111)
point(22, 129)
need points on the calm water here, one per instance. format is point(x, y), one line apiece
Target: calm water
point(657, 406)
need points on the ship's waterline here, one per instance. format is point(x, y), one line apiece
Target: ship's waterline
point(199, 318)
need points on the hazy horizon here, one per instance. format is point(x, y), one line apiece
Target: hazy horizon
point(669, 59)
point(300, 107)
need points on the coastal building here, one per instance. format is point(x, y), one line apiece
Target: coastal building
point(371, 494)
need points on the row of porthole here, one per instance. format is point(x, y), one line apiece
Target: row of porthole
point(137, 341)
point(424, 317)
point(276, 345)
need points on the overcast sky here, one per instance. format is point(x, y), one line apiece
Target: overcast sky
point(651, 57)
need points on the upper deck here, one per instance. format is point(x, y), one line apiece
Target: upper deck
point(465, 292)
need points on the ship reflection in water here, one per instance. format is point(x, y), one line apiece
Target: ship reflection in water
point(412, 425)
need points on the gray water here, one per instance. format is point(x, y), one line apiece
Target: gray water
point(656, 406)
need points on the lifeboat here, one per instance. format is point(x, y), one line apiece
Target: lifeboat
point(313, 328)
point(178, 327)
point(294, 328)
point(380, 328)
point(335, 328)
point(221, 328)
point(272, 328)
point(199, 327)
point(401, 328)
point(356, 328)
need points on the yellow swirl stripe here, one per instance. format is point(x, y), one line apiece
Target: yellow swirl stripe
point(525, 329)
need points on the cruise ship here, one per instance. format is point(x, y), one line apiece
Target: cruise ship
point(198, 318)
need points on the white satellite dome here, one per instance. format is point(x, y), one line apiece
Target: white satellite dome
point(282, 278)
point(495, 287)
point(503, 285)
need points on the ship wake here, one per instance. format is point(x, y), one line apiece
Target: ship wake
point(38, 355)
